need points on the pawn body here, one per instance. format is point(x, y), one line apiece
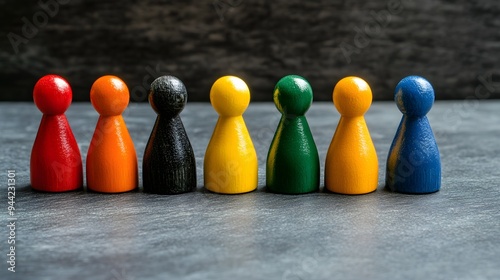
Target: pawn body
point(56, 162)
point(230, 165)
point(169, 165)
point(293, 160)
point(351, 163)
point(413, 163)
point(111, 159)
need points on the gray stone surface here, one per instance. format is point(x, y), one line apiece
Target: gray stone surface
point(452, 234)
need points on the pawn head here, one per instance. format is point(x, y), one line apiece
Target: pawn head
point(352, 97)
point(109, 96)
point(230, 96)
point(293, 95)
point(414, 96)
point(167, 95)
point(52, 95)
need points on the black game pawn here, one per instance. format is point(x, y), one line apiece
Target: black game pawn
point(169, 165)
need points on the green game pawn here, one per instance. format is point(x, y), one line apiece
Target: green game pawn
point(293, 160)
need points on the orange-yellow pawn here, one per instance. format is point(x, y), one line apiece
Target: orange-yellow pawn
point(230, 165)
point(351, 163)
point(111, 159)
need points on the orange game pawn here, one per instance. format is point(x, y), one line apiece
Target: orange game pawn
point(111, 159)
point(351, 162)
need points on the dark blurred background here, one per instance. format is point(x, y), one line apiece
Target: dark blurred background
point(454, 44)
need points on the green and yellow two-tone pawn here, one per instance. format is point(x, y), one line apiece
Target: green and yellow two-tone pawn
point(293, 160)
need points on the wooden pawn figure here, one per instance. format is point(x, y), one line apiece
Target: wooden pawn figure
point(351, 163)
point(111, 159)
point(293, 160)
point(230, 165)
point(56, 162)
point(413, 163)
point(169, 165)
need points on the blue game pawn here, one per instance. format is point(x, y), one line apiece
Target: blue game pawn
point(413, 163)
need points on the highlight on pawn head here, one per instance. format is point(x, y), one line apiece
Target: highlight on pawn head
point(52, 94)
point(293, 95)
point(230, 96)
point(109, 95)
point(352, 96)
point(414, 96)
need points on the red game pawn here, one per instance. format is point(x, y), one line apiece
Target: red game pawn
point(56, 163)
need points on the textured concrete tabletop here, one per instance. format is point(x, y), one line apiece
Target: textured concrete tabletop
point(452, 234)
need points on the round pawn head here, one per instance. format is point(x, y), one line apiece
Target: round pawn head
point(230, 96)
point(293, 95)
point(414, 96)
point(168, 95)
point(109, 96)
point(352, 97)
point(52, 95)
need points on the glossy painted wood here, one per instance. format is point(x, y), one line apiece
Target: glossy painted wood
point(169, 165)
point(230, 164)
point(413, 163)
point(293, 160)
point(351, 163)
point(111, 159)
point(56, 162)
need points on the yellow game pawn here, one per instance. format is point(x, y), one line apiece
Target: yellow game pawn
point(230, 165)
point(351, 163)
